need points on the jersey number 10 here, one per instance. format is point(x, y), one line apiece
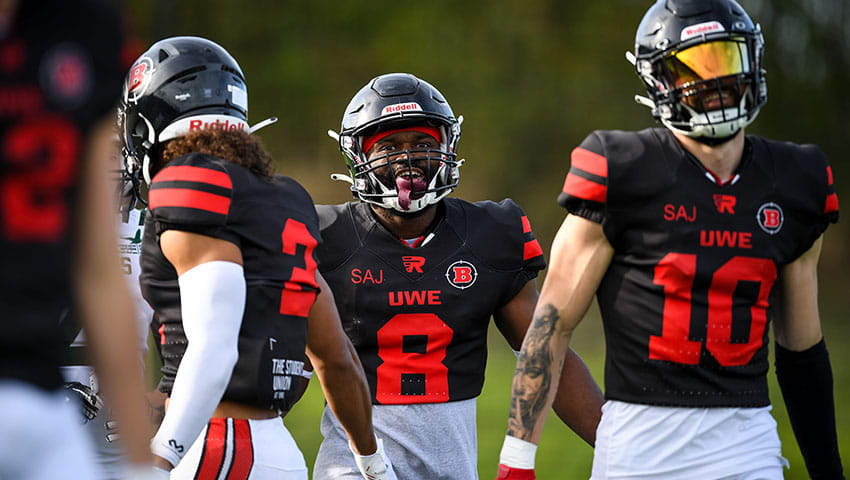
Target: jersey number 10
point(675, 272)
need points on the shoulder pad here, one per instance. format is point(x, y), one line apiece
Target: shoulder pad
point(192, 193)
point(615, 167)
point(503, 232)
point(340, 237)
point(803, 172)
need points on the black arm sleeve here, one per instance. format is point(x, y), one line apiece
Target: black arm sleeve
point(805, 379)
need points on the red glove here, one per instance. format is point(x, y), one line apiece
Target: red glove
point(510, 473)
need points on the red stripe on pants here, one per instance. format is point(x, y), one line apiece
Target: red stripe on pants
point(243, 451)
point(212, 457)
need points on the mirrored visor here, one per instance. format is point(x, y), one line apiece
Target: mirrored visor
point(708, 60)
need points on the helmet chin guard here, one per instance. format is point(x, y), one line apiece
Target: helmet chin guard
point(391, 102)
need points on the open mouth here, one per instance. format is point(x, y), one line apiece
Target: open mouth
point(410, 185)
point(708, 101)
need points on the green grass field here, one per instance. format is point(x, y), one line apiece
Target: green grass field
point(562, 455)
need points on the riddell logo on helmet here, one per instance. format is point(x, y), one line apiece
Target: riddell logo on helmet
point(201, 122)
point(701, 29)
point(195, 125)
point(402, 107)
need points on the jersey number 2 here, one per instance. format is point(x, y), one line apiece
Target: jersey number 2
point(41, 155)
point(416, 373)
point(676, 272)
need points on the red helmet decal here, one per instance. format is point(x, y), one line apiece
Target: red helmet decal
point(137, 79)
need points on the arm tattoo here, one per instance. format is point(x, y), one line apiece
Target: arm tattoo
point(534, 373)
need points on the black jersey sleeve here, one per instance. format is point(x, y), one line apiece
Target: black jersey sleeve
point(335, 221)
point(194, 194)
point(517, 250)
point(806, 177)
point(585, 188)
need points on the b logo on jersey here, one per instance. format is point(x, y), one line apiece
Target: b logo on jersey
point(770, 218)
point(461, 274)
point(137, 79)
point(413, 263)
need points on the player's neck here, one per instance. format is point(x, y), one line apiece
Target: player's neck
point(721, 160)
point(405, 226)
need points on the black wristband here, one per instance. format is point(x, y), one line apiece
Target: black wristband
point(805, 379)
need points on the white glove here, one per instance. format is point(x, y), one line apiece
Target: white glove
point(375, 466)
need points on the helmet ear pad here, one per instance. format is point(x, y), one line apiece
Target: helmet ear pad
point(671, 30)
point(392, 102)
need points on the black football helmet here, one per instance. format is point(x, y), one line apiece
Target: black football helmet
point(701, 61)
point(179, 85)
point(396, 101)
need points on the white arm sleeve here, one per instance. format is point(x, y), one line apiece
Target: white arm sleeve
point(212, 303)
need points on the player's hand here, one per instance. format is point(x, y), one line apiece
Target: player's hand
point(376, 466)
point(510, 473)
point(111, 431)
point(89, 402)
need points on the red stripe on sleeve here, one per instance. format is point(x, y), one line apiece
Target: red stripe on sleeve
point(188, 198)
point(586, 189)
point(243, 451)
point(831, 203)
point(531, 249)
point(188, 173)
point(829, 178)
point(590, 162)
point(526, 225)
point(212, 457)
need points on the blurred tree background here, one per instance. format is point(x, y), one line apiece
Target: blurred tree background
point(532, 78)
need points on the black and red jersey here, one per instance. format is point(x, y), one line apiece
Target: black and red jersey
point(275, 226)
point(687, 299)
point(58, 78)
point(418, 317)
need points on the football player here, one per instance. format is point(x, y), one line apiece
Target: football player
point(417, 275)
point(694, 237)
point(59, 82)
point(80, 378)
point(229, 267)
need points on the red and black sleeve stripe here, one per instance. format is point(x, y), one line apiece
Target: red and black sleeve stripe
point(588, 176)
point(831, 206)
point(196, 188)
point(531, 247)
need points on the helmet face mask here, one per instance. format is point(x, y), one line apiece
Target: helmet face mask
point(406, 181)
point(702, 65)
point(180, 84)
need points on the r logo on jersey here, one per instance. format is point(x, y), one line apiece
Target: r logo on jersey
point(770, 218)
point(725, 203)
point(413, 263)
point(461, 274)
